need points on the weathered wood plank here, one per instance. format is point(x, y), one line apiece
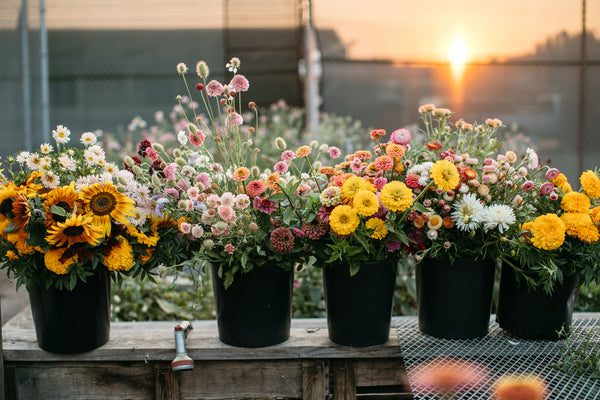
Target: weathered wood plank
point(343, 378)
point(380, 372)
point(313, 380)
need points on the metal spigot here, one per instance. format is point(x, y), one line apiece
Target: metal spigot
point(182, 361)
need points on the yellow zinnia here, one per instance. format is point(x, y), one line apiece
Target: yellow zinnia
point(104, 203)
point(352, 185)
point(396, 196)
point(53, 260)
point(580, 225)
point(380, 231)
point(575, 202)
point(590, 183)
point(120, 257)
point(445, 175)
point(548, 232)
point(366, 203)
point(343, 220)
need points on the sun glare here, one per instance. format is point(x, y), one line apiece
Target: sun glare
point(458, 53)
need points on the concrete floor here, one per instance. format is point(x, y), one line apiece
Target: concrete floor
point(12, 301)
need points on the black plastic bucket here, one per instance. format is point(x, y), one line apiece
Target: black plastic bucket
point(454, 300)
point(256, 309)
point(76, 321)
point(359, 307)
point(531, 313)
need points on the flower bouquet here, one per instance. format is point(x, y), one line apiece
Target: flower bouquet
point(66, 227)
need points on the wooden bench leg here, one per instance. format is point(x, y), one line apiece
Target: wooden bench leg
point(313, 380)
point(344, 383)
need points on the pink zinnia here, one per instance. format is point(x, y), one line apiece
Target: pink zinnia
point(226, 213)
point(315, 229)
point(282, 240)
point(384, 163)
point(528, 186)
point(546, 188)
point(401, 136)
point(299, 232)
point(412, 181)
point(229, 248)
point(380, 182)
point(264, 204)
point(288, 155)
point(255, 188)
point(552, 174)
point(334, 152)
point(281, 167)
point(356, 165)
point(234, 119)
point(214, 88)
point(239, 83)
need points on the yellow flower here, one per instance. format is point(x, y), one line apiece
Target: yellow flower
point(7, 197)
point(365, 203)
point(561, 182)
point(18, 239)
point(76, 229)
point(520, 387)
point(435, 222)
point(343, 220)
point(55, 260)
point(64, 197)
point(590, 183)
point(380, 231)
point(120, 257)
point(596, 215)
point(580, 225)
point(445, 175)
point(548, 232)
point(103, 202)
point(396, 196)
point(302, 151)
point(11, 255)
point(352, 185)
point(141, 237)
point(575, 202)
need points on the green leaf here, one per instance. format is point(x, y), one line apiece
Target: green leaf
point(354, 267)
point(287, 215)
point(167, 306)
point(54, 209)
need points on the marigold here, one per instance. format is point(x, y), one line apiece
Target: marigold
point(445, 175)
point(561, 182)
point(343, 220)
point(378, 225)
point(241, 174)
point(120, 257)
point(575, 202)
point(596, 215)
point(548, 232)
point(590, 184)
point(365, 203)
point(53, 260)
point(580, 225)
point(396, 196)
point(520, 387)
point(302, 151)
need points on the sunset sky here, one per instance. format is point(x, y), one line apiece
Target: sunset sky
point(390, 29)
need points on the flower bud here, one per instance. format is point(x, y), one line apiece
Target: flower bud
point(317, 165)
point(136, 170)
point(202, 69)
point(280, 143)
point(122, 180)
point(176, 153)
point(181, 162)
point(251, 104)
point(208, 244)
point(155, 180)
point(171, 184)
point(314, 144)
point(251, 130)
point(159, 148)
point(255, 171)
point(323, 148)
point(121, 189)
point(129, 161)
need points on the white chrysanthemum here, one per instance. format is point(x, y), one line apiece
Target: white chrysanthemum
point(106, 177)
point(50, 180)
point(467, 212)
point(46, 148)
point(67, 162)
point(432, 234)
point(138, 218)
point(45, 162)
point(34, 161)
point(498, 215)
point(61, 134)
point(91, 158)
point(111, 168)
point(81, 182)
point(423, 181)
point(182, 138)
point(22, 157)
point(419, 169)
point(88, 138)
point(142, 191)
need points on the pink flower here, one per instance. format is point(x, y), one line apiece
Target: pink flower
point(204, 179)
point(528, 186)
point(239, 83)
point(552, 174)
point(242, 201)
point(228, 199)
point(554, 196)
point(185, 228)
point(234, 119)
point(282, 240)
point(393, 245)
point(183, 184)
point(281, 167)
point(299, 232)
point(213, 201)
point(197, 231)
point(151, 154)
point(288, 155)
point(193, 193)
point(334, 152)
point(196, 139)
point(264, 204)
point(380, 182)
point(255, 188)
point(172, 192)
point(226, 213)
point(169, 171)
point(546, 188)
point(229, 248)
point(208, 216)
point(214, 88)
point(401, 136)
point(356, 165)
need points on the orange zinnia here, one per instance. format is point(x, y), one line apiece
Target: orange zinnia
point(241, 174)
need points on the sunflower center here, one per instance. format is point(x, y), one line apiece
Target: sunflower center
point(73, 231)
point(103, 203)
point(6, 206)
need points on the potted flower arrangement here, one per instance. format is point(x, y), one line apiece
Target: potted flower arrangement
point(552, 252)
point(231, 215)
point(66, 228)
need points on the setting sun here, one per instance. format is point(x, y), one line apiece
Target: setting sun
point(458, 53)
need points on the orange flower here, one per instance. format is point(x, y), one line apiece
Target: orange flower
point(446, 375)
point(302, 151)
point(419, 222)
point(520, 387)
point(241, 174)
point(448, 222)
point(363, 155)
point(273, 180)
point(395, 150)
point(434, 146)
point(328, 171)
point(470, 173)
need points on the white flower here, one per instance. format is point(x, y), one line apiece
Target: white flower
point(111, 168)
point(498, 215)
point(67, 162)
point(467, 212)
point(88, 138)
point(432, 234)
point(137, 219)
point(46, 148)
point(61, 134)
point(533, 158)
point(50, 180)
point(182, 137)
point(34, 161)
point(22, 157)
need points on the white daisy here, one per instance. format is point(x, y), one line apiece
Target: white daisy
point(137, 219)
point(111, 168)
point(61, 134)
point(22, 157)
point(50, 180)
point(498, 215)
point(34, 161)
point(88, 138)
point(67, 162)
point(467, 212)
point(46, 148)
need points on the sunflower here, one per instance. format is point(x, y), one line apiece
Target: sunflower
point(379, 229)
point(21, 211)
point(57, 262)
point(590, 184)
point(365, 203)
point(575, 202)
point(343, 220)
point(64, 197)
point(120, 257)
point(7, 197)
point(548, 232)
point(445, 175)
point(76, 229)
point(104, 203)
point(396, 196)
point(30, 188)
point(143, 238)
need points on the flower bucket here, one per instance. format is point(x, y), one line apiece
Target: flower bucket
point(454, 300)
point(533, 313)
point(359, 307)
point(256, 309)
point(76, 321)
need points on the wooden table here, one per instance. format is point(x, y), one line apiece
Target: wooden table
point(135, 364)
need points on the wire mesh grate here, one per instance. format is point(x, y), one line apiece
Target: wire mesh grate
point(502, 354)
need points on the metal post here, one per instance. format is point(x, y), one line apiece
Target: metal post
point(312, 69)
point(45, 85)
point(581, 105)
point(26, 79)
